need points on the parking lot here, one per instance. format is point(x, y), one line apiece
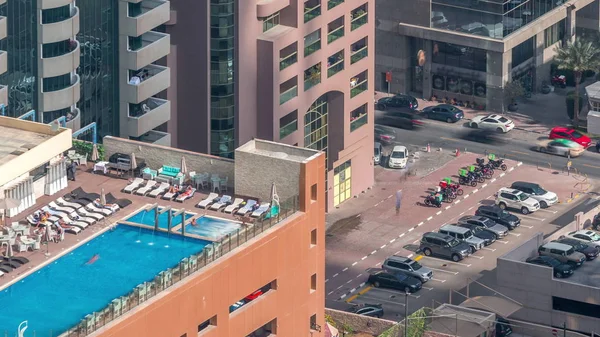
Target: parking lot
point(354, 248)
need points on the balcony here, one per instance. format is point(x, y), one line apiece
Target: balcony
point(3, 22)
point(288, 60)
point(311, 47)
point(359, 55)
point(265, 8)
point(332, 3)
point(62, 30)
point(74, 120)
point(63, 64)
point(359, 18)
point(156, 137)
point(335, 34)
point(288, 94)
point(145, 49)
point(358, 118)
point(312, 9)
point(146, 83)
point(49, 4)
point(357, 87)
point(336, 66)
point(63, 98)
point(312, 76)
point(148, 14)
point(144, 117)
point(3, 61)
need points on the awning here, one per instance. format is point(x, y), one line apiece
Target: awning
point(498, 305)
point(331, 331)
point(456, 327)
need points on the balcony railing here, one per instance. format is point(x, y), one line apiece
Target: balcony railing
point(359, 55)
point(311, 48)
point(288, 60)
point(288, 94)
point(335, 34)
point(358, 122)
point(335, 68)
point(311, 13)
point(333, 3)
point(359, 20)
point(288, 129)
point(312, 81)
point(188, 266)
point(360, 87)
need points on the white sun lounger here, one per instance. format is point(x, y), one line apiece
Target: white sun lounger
point(261, 210)
point(65, 209)
point(247, 207)
point(163, 187)
point(208, 201)
point(149, 185)
point(185, 196)
point(168, 196)
point(233, 207)
point(223, 201)
point(93, 208)
point(71, 219)
point(64, 203)
point(87, 213)
point(134, 184)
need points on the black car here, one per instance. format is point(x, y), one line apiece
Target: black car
point(444, 112)
point(560, 270)
point(484, 234)
point(406, 119)
point(365, 309)
point(397, 101)
point(381, 278)
point(590, 252)
point(384, 135)
point(499, 216)
point(484, 136)
point(503, 328)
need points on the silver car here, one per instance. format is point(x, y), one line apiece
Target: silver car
point(485, 223)
point(404, 265)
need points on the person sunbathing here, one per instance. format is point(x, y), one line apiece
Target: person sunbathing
point(63, 224)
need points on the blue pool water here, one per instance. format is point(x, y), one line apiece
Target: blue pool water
point(211, 228)
point(145, 217)
point(56, 297)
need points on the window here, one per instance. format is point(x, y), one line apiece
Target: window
point(313, 322)
point(576, 307)
point(312, 42)
point(313, 191)
point(39, 172)
point(554, 33)
point(458, 56)
point(270, 21)
point(522, 52)
point(288, 124)
point(313, 236)
point(358, 117)
point(207, 324)
point(57, 14)
point(253, 296)
point(313, 282)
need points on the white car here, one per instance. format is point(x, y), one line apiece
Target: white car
point(590, 238)
point(493, 122)
point(510, 198)
point(398, 157)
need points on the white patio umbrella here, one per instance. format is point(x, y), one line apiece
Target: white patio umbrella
point(9, 251)
point(8, 203)
point(102, 197)
point(133, 161)
point(184, 169)
point(47, 237)
point(274, 196)
point(95, 155)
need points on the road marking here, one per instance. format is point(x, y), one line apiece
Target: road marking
point(359, 275)
point(457, 202)
point(410, 255)
point(502, 174)
point(365, 290)
point(446, 261)
point(378, 263)
point(392, 240)
point(530, 227)
point(444, 271)
point(401, 235)
point(493, 179)
point(382, 246)
point(520, 152)
point(354, 264)
point(438, 213)
point(373, 252)
point(349, 281)
point(363, 258)
point(367, 297)
point(420, 224)
point(461, 213)
point(418, 257)
point(343, 270)
point(592, 166)
point(331, 292)
point(511, 169)
point(490, 249)
point(447, 207)
point(326, 280)
point(438, 280)
point(547, 210)
point(446, 138)
point(410, 230)
point(396, 292)
point(484, 185)
point(475, 190)
point(429, 218)
point(471, 208)
point(531, 217)
point(466, 196)
point(517, 234)
point(504, 242)
point(428, 288)
point(477, 257)
point(335, 275)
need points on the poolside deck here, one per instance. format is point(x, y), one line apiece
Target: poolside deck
point(92, 183)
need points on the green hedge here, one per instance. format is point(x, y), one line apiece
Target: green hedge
point(570, 100)
point(83, 147)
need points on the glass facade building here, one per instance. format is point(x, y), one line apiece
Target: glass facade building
point(222, 86)
point(21, 45)
point(99, 67)
point(493, 18)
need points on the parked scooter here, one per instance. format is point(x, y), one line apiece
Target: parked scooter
point(467, 180)
point(498, 163)
point(434, 200)
point(559, 81)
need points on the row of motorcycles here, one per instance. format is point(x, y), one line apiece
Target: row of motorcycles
point(448, 191)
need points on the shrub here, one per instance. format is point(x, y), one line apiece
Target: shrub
point(83, 147)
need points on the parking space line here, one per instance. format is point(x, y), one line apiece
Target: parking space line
point(447, 261)
point(466, 196)
point(335, 275)
point(477, 257)
point(358, 276)
point(547, 210)
point(326, 280)
point(503, 241)
point(489, 249)
point(354, 264)
point(447, 207)
point(331, 292)
point(444, 271)
point(429, 218)
point(418, 257)
point(420, 224)
point(531, 217)
point(438, 213)
point(530, 227)
point(493, 180)
point(398, 292)
point(380, 300)
point(475, 191)
point(457, 202)
point(484, 185)
point(437, 280)
point(392, 240)
point(383, 246)
point(502, 174)
point(515, 234)
point(377, 265)
point(428, 288)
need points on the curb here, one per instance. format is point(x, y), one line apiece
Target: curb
point(574, 197)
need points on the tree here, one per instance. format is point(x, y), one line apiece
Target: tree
point(512, 91)
point(579, 56)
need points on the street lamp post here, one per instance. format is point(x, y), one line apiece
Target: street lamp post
point(406, 314)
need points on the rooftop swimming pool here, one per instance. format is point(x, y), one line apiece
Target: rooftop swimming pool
point(146, 217)
point(211, 228)
point(59, 295)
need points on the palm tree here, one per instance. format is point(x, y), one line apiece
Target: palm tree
point(579, 56)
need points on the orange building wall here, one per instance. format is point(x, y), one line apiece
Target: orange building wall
point(284, 253)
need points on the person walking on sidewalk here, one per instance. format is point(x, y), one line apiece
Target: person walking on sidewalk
point(398, 201)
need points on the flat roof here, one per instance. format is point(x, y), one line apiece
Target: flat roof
point(593, 91)
point(588, 274)
point(14, 142)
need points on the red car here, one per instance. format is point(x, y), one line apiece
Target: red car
point(560, 132)
point(254, 295)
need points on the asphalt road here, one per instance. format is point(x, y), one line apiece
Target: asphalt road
point(516, 145)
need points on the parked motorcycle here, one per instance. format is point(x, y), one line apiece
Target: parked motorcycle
point(559, 81)
point(448, 194)
point(467, 180)
point(477, 176)
point(433, 200)
point(486, 171)
point(456, 188)
point(498, 163)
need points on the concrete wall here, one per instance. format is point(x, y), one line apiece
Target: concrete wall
point(156, 156)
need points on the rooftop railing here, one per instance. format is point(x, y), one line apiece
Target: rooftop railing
point(167, 278)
